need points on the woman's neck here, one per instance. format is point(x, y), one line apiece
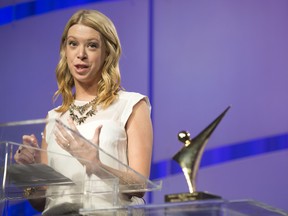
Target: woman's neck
point(85, 94)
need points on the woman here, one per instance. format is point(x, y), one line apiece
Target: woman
point(116, 120)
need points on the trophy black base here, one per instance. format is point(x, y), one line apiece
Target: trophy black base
point(186, 197)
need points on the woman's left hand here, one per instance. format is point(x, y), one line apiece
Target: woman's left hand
point(78, 146)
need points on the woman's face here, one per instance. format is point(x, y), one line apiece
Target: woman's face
point(85, 52)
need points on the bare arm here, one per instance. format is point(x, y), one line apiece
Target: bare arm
point(140, 139)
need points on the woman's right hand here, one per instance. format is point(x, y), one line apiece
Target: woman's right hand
point(28, 155)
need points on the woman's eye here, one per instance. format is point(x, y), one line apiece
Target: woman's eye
point(72, 43)
point(93, 45)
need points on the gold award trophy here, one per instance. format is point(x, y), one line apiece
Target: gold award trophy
point(189, 158)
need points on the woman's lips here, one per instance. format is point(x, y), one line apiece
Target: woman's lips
point(80, 68)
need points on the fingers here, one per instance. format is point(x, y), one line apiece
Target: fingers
point(26, 152)
point(71, 124)
point(30, 140)
point(24, 157)
point(70, 140)
point(66, 138)
point(61, 140)
point(97, 132)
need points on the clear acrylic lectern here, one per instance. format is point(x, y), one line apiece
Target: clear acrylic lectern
point(93, 187)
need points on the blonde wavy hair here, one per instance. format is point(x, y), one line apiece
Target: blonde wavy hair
point(110, 81)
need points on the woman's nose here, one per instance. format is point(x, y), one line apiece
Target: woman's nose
point(81, 53)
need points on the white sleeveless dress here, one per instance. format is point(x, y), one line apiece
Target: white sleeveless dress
point(113, 140)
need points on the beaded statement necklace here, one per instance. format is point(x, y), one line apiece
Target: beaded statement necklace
point(87, 110)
